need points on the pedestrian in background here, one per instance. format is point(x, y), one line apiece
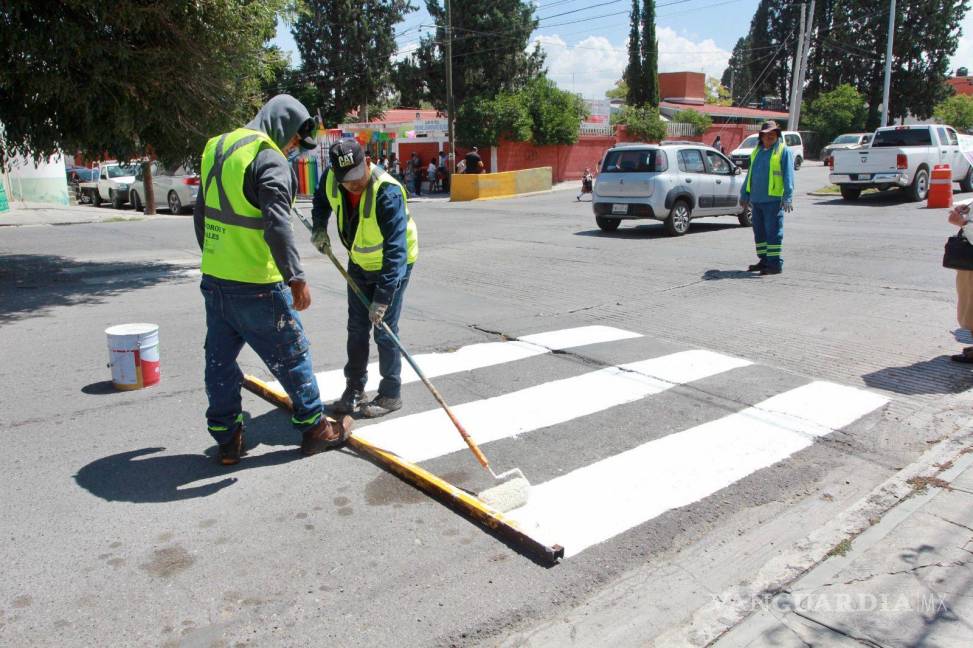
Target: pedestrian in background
point(960, 217)
point(474, 164)
point(416, 173)
point(431, 171)
point(718, 144)
point(769, 191)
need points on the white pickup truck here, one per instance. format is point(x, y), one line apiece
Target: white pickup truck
point(902, 156)
point(113, 183)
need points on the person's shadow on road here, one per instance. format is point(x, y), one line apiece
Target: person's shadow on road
point(144, 476)
point(714, 275)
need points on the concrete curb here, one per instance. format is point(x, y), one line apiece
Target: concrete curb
point(735, 604)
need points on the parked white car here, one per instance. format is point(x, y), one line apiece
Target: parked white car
point(741, 154)
point(670, 182)
point(845, 142)
point(174, 189)
point(902, 156)
point(113, 183)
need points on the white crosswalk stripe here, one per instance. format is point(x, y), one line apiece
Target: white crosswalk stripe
point(419, 437)
point(611, 495)
point(478, 356)
point(599, 501)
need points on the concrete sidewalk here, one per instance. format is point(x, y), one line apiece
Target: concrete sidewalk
point(35, 214)
point(906, 581)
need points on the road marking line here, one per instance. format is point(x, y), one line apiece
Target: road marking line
point(430, 434)
point(477, 356)
point(601, 500)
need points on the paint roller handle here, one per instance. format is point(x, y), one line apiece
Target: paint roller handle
point(475, 449)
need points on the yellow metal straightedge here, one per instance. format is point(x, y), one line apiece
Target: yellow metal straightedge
point(456, 498)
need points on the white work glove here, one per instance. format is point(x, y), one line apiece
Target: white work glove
point(320, 239)
point(788, 206)
point(376, 312)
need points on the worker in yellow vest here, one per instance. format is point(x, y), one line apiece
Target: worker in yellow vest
point(373, 223)
point(253, 283)
point(769, 191)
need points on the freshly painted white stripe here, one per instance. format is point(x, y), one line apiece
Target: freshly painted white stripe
point(601, 500)
point(431, 434)
point(478, 356)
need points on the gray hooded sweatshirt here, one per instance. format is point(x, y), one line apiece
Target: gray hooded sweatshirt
point(270, 184)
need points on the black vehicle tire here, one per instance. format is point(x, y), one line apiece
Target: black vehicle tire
point(96, 198)
point(966, 184)
point(798, 161)
point(919, 188)
point(850, 193)
point(134, 199)
point(175, 205)
point(746, 217)
point(677, 223)
point(607, 224)
point(116, 200)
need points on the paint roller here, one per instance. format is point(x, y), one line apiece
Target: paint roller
point(504, 497)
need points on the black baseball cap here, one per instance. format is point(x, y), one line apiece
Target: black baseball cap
point(306, 132)
point(347, 160)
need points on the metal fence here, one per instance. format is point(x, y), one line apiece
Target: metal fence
point(597, 129)
point(676, 129)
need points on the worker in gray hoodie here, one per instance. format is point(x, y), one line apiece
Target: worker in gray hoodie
point(253, 282)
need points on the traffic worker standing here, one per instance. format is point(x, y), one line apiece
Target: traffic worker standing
point(769, 190)
point(253, 282)
point(373, 223)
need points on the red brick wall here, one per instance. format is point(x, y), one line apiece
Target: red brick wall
point(682, 85)
point(567, 162)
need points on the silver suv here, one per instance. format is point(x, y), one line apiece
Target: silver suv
point(670, 182)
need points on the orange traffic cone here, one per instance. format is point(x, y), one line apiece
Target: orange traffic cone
point(940, 187)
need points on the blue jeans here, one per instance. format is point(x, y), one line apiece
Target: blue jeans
point(768, 232)
point(262, 316)
point(360, 329)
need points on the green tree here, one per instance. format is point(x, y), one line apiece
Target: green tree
point(700, 121)
point(128, 78)
point(482, 121)
point(489, 49)
point(642, 122)
point(957, 111)
point(772, 44)
point(716, 93)
point(650, 54)
point(841, 110)
point(346, 51)
point(633, 78)
point(409, 83)
point(736, 77)
point(620, 91)
point(555, 115)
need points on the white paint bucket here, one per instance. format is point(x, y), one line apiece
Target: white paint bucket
point(133, 355)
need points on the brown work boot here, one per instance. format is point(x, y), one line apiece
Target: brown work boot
point(325, 434)
point(231, 451)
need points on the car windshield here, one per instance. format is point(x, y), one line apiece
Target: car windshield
point(121, 170)
point(750, 142)
point(846, 139)
point(635, 161)
point(903, 137)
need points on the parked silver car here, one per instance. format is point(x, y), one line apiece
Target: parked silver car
point(673, 183)
point(174, 189)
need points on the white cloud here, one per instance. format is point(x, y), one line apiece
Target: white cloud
point(964, 52)
point(594, 64)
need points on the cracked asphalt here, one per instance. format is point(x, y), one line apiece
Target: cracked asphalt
point(120, 529)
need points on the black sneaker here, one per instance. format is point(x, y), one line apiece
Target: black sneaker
point(756, 267)
point(380, 406)
point(349, 402)
point(231, 451)
point(770, 271)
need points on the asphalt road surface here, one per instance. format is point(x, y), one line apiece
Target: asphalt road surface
point(680, 420)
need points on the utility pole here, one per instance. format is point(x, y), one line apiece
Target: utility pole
point(450, 105)
point(888, 65)
point(795, 77)
point(803, 73)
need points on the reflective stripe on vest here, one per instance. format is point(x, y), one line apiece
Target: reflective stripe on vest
point(775, 183)
point(234, 247)
point(367, 245)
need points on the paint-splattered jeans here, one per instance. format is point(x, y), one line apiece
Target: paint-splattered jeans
point(262, 316)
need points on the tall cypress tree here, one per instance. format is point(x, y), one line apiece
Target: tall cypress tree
point(633, 72)
point(650, 54)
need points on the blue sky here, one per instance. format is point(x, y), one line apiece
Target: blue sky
point(585, 40)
